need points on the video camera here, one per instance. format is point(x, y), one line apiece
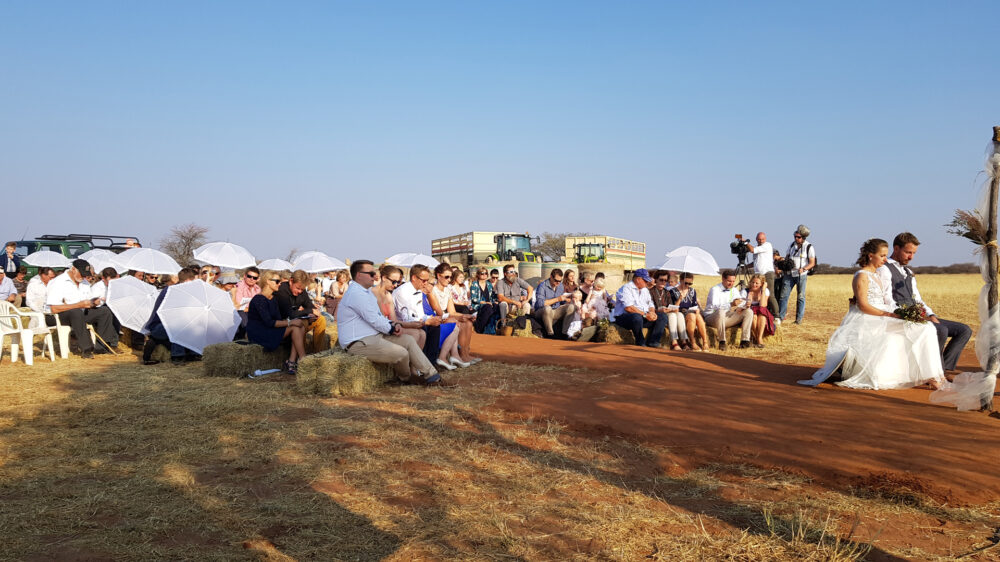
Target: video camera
point(740, 247)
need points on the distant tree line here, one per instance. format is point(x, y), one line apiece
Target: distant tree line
point(824, 268)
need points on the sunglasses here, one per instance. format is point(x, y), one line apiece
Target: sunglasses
point(254, 277)
point(397, 283)
point(371, 273)
point(446, 277)
point(798, 235)
point(276, 280)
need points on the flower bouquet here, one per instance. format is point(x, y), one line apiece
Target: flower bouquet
point(915, 312)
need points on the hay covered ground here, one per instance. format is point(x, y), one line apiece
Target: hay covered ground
point(106, 459)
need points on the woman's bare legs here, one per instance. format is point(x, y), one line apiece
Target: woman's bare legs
point(298, 336)
point(465, 340)
point(449, 346)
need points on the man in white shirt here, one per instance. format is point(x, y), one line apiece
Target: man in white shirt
point(901, 287)
point(803, 257)
point(726, 307)
point(363, 330)
point(37, 289)
point(8, 292)
point(409, 301)
point(69, 297)
point(763, 264)
point(634, 310)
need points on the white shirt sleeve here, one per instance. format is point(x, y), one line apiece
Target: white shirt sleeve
point(917, 297)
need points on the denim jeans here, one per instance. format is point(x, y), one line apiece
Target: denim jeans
point(799, 283)
point(636, 322)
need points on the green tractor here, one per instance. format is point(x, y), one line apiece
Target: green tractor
point(514, 247)
point(589, 253)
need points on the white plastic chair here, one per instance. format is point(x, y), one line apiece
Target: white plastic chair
point(20, 321)
point(12, 327)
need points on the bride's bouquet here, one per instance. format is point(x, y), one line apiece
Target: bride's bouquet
point(915, 312)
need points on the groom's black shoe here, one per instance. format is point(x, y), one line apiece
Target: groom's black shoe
point(745, 344)
point(722, 346)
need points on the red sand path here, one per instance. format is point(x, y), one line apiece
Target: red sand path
point(710, 408)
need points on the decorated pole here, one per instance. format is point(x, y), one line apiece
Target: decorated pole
point(991, 254)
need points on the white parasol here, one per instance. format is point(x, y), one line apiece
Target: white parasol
point(410, 259)
point(132, 302)
point(316, 262)
point(196, 314)
point(225, 254)
point(148, 260)
point(275, 265)
point(690, 259)
point(47, 258)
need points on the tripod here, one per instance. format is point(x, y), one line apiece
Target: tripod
point(744, 272)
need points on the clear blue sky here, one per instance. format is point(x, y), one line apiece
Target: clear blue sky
point(368, 128)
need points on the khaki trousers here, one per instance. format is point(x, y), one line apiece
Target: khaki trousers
point(399, 351)
point(733, 317)
point(318, 329)
point(548, 315)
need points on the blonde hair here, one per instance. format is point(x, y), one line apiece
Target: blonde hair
point(265, 288)
point(757, 277)
point(599, 283)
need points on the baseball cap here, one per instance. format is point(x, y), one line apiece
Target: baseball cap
point(82, 267)
point(642, 273)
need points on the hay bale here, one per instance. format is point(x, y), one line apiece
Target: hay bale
point(524, 332)
point(616, 335)
point(732, 335)
point(335, 373)
point(161, 353)
point(236, 360)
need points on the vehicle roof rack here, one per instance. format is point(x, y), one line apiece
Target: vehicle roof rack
point(112, 241)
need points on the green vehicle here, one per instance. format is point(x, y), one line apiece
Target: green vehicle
point(589, 253)
point(70, 245)
point(513, 247)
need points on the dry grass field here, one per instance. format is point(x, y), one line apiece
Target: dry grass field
point(108, 460)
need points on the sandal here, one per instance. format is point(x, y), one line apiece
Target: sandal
point(675, 346)
point(291, 367)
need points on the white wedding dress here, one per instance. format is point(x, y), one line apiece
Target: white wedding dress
point(880, 352)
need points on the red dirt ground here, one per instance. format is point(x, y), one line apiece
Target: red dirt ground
point(712, 408)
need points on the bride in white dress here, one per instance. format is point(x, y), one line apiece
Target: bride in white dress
point(873, 348)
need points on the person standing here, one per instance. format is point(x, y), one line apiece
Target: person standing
point(763, 264)
point(901, 285)
point(9, 262)
point(803, 257)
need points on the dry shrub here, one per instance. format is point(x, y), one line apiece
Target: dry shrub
point(524, 332)
point(236, 360)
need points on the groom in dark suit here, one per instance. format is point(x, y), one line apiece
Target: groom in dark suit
point(897, 274)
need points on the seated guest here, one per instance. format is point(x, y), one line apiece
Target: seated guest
point(391, 278)
point(412, 305)
point(494, 277)
point(335, 291)
point(100, 288)
point(483, 302)
point(38, 288)
point(569, 281)
point(763, 320)
point(9, 262)
point(366, 332)
point(553, 303)
point(664, 298)
point(727, 307)
point(513, 294)
point(635, 310)
point(244, 291)
point(8, 292)
point(459, 292)
point(21, 284)
point(294, 302)
point(315, 290)
point(443, 305)
point(158, 333)
point(687, 303)
point(586, 284)
point(207, 274)
point(267, 327)
point(598, 304)
point(68, 296)
point(227, 282)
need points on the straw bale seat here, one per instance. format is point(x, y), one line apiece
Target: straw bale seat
point(336, 373)
point(236, 360)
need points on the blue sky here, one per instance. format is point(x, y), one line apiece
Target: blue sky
point(366, 129)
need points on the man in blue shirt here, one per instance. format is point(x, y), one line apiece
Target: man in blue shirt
point(552, 303)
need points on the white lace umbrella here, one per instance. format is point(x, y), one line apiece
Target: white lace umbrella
point(148, 260)
point(132, 302)
point(100, 259)
point(410, 259)
point(196, 314)
point(690, 259)
point(275, 265)
point(47, 258)
point(225, 254)
point(316, 262)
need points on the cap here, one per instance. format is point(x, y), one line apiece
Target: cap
point(82, 267)
point(642, 273)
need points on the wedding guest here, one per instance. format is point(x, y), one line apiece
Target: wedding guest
point(763, 321)
point(207, 274)
point(726, 307)
point(494, 277)
point(391, 277)
point(68, 296)
point(100, 288)
point(267, 327)
point(8, 292)
point(21, 284)
point(569, 281)
point(9, 262)
point(459, 292)
point(444, 306)
point(513, 294)
point(664, 300)
point(409, 301)
point(364, 331)
point(335, 291)
point(294, 302)
point(687, 303)
point(598, 305)
point(483, 299)
point(158, 333)
point(586, 283)
point(553, 303)
point(803, 257)
point(901, 284)
point(38, 289)
point(634, 310)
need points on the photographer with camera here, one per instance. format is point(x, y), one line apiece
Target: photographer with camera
point(763, 264)
point(798, 263)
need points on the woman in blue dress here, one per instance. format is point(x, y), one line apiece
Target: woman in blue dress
point(267, 328)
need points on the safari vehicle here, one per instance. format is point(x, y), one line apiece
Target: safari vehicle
point(606, 249)
point(70, 245)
